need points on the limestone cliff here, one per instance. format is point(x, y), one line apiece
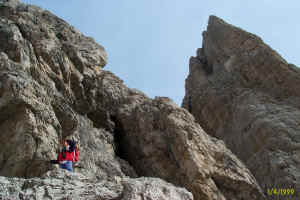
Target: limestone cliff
point(52, 86)
point(242, 91)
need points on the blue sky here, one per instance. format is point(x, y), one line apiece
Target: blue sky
point(149, 42)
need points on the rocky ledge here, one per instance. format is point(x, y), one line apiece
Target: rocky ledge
point(62, 184)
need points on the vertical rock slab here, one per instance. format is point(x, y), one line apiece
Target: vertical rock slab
point(245, 93)
point(160, 139)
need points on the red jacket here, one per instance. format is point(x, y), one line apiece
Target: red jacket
point(70, 156)
point(75, 155)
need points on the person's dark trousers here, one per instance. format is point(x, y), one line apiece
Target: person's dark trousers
point(54, 162)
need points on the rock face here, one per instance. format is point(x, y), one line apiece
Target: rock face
point(242, 91)
point(160, 139)
point(52, 86)
point(46, 67)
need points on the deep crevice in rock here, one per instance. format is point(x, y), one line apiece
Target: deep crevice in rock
point(119, 139)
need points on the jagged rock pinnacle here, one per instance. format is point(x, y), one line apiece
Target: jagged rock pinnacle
point(242, 91)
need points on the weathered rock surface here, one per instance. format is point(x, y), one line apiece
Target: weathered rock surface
point(160, 139)
point(242, 91)
point(61, 184)
point(44, 95)
point(52, 86)
point(43, 62)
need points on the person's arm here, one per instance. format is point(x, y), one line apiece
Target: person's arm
point(59, 157)
point(76, 156)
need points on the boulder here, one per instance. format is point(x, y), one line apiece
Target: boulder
point(160, 139)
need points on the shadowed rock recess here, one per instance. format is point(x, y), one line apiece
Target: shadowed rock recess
point(52, 86)
point(242, 91)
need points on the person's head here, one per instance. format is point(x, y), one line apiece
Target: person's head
point(64, 143)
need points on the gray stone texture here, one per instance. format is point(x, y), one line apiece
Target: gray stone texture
point(243, 92)
point(61, 184)
point(52, 86)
